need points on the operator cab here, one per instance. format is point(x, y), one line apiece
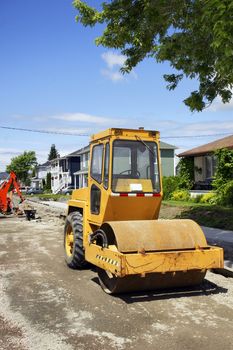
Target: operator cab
point(135, 166)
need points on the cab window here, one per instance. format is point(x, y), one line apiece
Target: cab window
point(96, 162)
point(135, 166)
point(106, 166)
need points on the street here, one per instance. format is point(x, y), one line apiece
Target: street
point(46, 306)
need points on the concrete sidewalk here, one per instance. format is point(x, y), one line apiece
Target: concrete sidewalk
point(217, 235)
point(56, 205)
point(222, 238)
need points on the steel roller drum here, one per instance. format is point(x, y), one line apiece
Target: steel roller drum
point(149, 236)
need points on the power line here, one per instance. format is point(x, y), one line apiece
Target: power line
point(196, 136)
point(44, 131)
point(86, 134)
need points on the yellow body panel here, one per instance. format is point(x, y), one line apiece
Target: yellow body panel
point(80, 194)
point(157, 262)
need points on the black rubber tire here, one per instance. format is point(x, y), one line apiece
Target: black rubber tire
point(76, 260)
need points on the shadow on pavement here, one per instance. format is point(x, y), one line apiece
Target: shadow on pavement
point(206, 288)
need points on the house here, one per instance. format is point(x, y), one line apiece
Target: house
point(204, 159)
point(41, 174)
point(80, 176)
point(62, 171)
point(167, 153)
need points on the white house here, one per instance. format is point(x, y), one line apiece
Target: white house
point(62, 171)
point(41, 173)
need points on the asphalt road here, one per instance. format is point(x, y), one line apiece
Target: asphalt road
point(46, 306)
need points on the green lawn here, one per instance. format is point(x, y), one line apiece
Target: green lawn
point(49, 196)
point(184, 204)
point(203, 214)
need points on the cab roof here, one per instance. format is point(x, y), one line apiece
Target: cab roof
point(117, 132)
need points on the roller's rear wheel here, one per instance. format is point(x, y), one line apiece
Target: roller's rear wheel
point(73, 241)
point(151, 282)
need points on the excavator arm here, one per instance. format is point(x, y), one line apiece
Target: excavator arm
point(5, 187)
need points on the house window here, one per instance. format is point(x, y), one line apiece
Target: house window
point(210, 166)
point(84, 161)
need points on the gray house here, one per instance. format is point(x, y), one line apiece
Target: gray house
point(167, 153)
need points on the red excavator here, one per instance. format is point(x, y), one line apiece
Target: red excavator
point(6, 205)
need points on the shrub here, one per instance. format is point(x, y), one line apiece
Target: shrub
point(180, 195)
point(170, 184)
point(208, 198)
point(186, 173)
point(225, 194)
point(224, 172)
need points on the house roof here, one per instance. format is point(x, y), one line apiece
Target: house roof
point(45, 164)
point(164, 145)
point(226, 142)
point(3, 176)
point(83, 150)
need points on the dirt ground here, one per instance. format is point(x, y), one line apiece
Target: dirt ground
point(46, 306)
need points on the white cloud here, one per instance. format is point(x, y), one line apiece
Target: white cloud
point(20, 117)
point(70, 130)
point(198, 133)
point(112, 75)
point(218, 105)
point(207, 128)
point(86, 118)
point(6, 152)
point(197, 129)
point(113, 59)
point(73, 117)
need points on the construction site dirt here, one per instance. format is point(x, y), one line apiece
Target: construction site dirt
point(44, 305)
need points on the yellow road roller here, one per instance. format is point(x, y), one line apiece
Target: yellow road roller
point(113, 222)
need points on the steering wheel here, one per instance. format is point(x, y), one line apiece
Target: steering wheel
point(129, 171)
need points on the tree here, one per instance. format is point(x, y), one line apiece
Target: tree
point(195, 36)
point(53, 154)
point(223, 179)
point(48, 181)
point(22, 165)
point(224, 172)
point(186, 173)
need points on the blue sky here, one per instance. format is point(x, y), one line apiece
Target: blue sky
point(53, 77)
